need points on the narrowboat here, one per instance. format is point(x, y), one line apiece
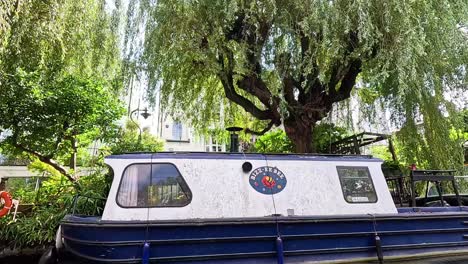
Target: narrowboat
point(257, 208)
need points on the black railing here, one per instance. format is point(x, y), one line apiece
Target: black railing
point(91, 206)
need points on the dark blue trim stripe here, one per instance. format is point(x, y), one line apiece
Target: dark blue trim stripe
point(310, 238)
point(244, 156)
point(415, 210)
point(258, 238)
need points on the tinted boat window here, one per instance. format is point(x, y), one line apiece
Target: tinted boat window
point(357, 185)
point(153, 185)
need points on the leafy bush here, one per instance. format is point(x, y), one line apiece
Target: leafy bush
point(276, 141)
point(54, 200)
point(325, 134)
point(35, 230)
point(128, 140)
point(39, 227)
point(24, 189)
point(57, 195)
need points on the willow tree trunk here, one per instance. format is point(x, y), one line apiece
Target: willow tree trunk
point(300, 133)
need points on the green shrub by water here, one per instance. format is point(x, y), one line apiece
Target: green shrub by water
point(53, 200)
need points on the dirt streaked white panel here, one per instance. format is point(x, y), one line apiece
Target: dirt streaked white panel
point(220, 189)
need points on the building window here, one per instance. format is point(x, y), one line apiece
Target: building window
point(357, 185)
point(177, 131)
point(213, 145)
point(153, 185)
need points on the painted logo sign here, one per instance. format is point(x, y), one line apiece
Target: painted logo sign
point(267, 180)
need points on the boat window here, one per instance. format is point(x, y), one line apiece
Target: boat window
point(357, 185)
point(153, 185)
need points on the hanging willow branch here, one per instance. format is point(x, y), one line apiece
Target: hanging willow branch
point(288, 62)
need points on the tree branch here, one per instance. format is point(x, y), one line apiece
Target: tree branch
point(61, 136)
point(236, 32)
point(348, 81)
point(48, 161)
point(307, 82)
point(256, 87)
point(259, 133)
point(346, 74)
point(243, 31)
point(305, 43)
point(252, 83)
point(246, 104)
point(226, 77)
point(288, 89)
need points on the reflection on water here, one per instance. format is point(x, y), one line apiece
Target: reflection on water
point(442, 260)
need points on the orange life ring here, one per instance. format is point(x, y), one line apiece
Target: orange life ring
point(7, 202)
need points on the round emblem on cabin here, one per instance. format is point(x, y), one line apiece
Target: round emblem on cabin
point(267, 180)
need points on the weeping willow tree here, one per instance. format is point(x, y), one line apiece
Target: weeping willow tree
point(53, 37)
point(59, 77)
point(288, 62)
point(6, 10)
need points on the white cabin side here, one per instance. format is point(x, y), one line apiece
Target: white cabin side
point(221, 189)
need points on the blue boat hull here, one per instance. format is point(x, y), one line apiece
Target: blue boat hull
point(254, 240)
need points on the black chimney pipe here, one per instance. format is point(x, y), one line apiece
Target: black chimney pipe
point(234, 147)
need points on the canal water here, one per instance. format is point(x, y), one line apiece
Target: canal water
point(445, 260)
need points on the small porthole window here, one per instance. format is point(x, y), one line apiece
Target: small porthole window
point(357, 185)
point(153, 185)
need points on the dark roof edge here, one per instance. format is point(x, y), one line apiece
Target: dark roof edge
point(241, 155)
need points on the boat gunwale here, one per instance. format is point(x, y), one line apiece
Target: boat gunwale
point(260, 238)
point(461, 215)
point(97, 221)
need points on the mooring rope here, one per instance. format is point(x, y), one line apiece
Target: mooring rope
point(148, 210)
point(279, 240)
point(146, 246)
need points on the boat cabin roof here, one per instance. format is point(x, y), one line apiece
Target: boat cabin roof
point(241, 155)
point(192, 185)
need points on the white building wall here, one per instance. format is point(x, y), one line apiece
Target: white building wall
point(179, 136)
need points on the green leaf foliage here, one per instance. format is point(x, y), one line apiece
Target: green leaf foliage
point(274, 141)
point(60, 80)
point(277, 141)
point(6, 13)
point(432, 145)
point(325, 134)
point(53, 200)
point(52, 37)
point(50, 113)
point(60, 77)
point(293, 59)
point(128, 140)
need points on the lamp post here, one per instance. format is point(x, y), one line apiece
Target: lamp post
point(144, 114)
